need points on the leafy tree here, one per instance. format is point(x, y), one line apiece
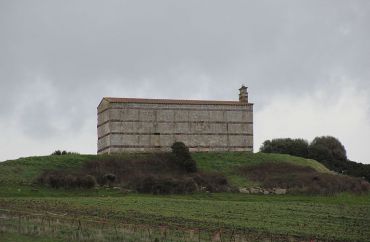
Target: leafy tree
point(183, 157)
point(180, 150)
point(297, 147)
point(332, 147)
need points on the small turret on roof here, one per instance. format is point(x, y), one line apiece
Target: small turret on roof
point(243, 94)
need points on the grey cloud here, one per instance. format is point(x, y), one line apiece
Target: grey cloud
point(83, 50)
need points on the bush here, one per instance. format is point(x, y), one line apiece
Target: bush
point(212, 182)
point(106, 179)
point(110, 178)
point(157, 173)
point(166, 185)
point(87, 181)
point(297, 147)
point(190, 166)
point(59, 179)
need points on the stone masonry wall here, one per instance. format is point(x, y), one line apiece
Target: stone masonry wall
point(152, 127)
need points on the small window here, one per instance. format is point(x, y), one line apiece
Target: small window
point(156, 133)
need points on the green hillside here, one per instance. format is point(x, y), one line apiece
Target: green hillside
point(26, 170)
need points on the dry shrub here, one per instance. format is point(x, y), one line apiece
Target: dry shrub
point(125, 169)
point(59, 179)
point(213, 182)
point(299, 179)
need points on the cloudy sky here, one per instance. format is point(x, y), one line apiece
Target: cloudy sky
point(306, 63)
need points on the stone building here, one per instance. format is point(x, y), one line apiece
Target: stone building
point(142, 125)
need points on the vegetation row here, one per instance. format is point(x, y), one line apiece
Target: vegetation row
point(327, 150)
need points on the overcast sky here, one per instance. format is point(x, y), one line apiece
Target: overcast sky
point(306, 63)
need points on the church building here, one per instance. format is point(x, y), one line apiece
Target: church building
point(146, 125)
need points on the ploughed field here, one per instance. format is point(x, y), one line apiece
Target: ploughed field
point(30, 212)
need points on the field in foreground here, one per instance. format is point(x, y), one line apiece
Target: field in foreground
point(192, 217)
point(33, 213)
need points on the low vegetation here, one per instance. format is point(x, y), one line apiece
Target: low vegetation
point(158, 173)
point(63, 152)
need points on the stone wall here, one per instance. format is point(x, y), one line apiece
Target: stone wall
point(152, 127)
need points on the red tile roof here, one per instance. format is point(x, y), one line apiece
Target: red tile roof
point(173, 101)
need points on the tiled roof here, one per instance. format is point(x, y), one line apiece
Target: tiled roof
point(173, 101)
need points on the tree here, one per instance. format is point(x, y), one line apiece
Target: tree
point(297, 147)
point(331, 149)
point(57, 152)
point(180, 150)
point(183, 157)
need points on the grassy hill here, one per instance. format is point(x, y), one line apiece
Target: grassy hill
point(31, 212)
point(26, 170)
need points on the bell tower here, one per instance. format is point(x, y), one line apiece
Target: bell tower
point(243, 94)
